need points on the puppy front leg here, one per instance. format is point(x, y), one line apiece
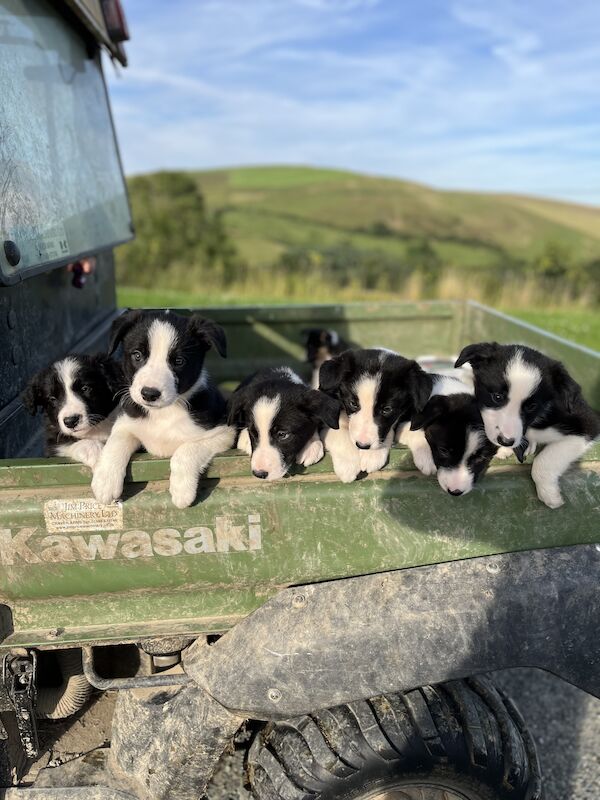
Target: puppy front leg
point(86, 451)
point(345, 456)
point(244, 443)
point(551, 463)
point(417, 444)
point(312, 451)
point(374, 460)
point(191, 459)
point(109, 475)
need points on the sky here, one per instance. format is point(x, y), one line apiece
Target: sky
point(460, 94)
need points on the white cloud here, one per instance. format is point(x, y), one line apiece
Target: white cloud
point(486, 96)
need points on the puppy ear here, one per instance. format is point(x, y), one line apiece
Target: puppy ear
point(121, 326)
point(566, 388)
point(323, 407)
point(418, 386)
point(433, 409)
point(111, 371)
point(33, 396)
point(209, 332)
point(476, 354)
point(237, 409)
point(332, 372)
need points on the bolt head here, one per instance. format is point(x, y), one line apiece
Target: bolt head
point(274, 695)
point(299, 600)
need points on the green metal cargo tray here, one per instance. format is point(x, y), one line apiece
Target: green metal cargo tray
point(74, 572)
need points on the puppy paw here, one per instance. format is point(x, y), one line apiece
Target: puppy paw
point(372, 460)
point(347, 471)
point(504, 452)
point(424, 460)
point(550, 495)
point(311, 453)
point(183, 493)
point(530, 449)
point(106, 485)
point(244, 443)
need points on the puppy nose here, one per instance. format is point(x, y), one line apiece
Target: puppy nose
point(150, 394)
point(71, 422)
point(260, 473)
point(363, 446)
point(505, 442)
point(455, 492)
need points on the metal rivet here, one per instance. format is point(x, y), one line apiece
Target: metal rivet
point(492, 568)
point(274, 695)
point(598, 547)
point(299, 600)
point(12, 252)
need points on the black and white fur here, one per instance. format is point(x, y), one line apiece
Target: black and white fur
point(527, 399)
point(77, 397)
point(168, 403)
point(279, 417)
point(454, 430)
point(379, 391)
point(321, 345)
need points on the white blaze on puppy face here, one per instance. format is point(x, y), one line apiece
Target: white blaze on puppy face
point(460, 478)
point(265, 457)
point(522, 380)
point(72, 405)
point(156, 372)
point(362, 425)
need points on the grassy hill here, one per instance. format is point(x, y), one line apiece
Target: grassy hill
point(305, 233)
point(269, 209)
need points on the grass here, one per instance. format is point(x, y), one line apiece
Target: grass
point(578, 325)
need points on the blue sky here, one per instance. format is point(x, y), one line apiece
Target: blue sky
point(494, 96)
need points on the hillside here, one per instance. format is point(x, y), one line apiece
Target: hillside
point(292, 232)
point(270, 209)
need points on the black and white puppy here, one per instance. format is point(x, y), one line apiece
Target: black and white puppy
point(77, 397)
point(321, 345)
point(379, 391)
point(527, 399)
point(168, 404)
point(279, 417)
point(454, 431)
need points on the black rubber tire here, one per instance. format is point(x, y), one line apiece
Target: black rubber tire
point(463, 739)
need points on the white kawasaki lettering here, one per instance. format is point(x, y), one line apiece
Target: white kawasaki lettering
point(35, 546)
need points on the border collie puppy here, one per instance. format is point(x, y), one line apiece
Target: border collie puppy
point(168, 403)
point(280, 417)
point(377, 390)
point(527, 399)
point(454, 431)
point(321, 345)
point(77, 396)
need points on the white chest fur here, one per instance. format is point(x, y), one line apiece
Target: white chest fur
point(163, 430)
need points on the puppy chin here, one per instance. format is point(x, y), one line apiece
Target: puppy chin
point(451, 482)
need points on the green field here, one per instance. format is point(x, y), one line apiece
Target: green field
point(271, 208)
point(578, 325)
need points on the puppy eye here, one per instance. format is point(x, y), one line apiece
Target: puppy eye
point(52, 399)
point(283, 435)
point(352, 406)
point(86, 389)
point(498, 397)
point(136, 355)
point(179, 361)
point(386, 411)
